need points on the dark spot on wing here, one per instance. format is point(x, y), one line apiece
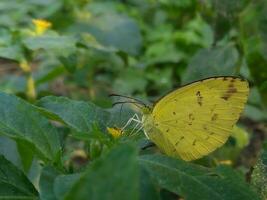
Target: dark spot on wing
point(199, 98)
point(174, 113)
point(181, 138)
point(214, 117)
point(212, 133)
point(205, 127)
point(191, 119)
point(230, 91)
point(194, 142)
point(191, 116)
point(167, 130)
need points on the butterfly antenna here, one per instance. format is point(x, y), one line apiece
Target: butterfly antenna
point(137, 100)
point(121, 110)
point(137, 104)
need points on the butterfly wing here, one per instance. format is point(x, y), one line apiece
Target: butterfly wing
point(196, 119)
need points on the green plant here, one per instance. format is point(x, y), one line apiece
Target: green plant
point(54, 147)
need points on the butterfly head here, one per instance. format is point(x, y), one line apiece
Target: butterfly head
point(146, 109)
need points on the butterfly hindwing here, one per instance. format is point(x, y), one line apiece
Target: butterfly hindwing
point(198, 118)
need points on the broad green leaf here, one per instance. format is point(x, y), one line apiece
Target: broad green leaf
point(217, 61)
point(89, 41)
point(148, 189)
point(79, 115)
point(196, 182)
point(115, 31)
point(13, 183)
point(46, 183)
point(63, 183)
point(11, 52)
point(52, 43)
point(8, 148)
point(259, 175)
point(113, 176)
point(26, 154)
point(21, 121)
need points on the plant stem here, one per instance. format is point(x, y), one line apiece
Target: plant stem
point(30, 86)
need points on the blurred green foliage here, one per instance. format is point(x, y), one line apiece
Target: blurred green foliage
point(87, 49)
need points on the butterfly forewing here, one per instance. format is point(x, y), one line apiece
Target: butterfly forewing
point(198, 118)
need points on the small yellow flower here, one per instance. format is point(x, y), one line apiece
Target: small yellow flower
point(41, 26)
point(115, 132)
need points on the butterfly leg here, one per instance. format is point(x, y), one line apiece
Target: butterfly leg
point(134, 131)
point(138, 123)
point(135, 118)
point(141, 127)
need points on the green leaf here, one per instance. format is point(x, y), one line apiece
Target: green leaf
point(51, 75)
point(70, 62)
point(63, 183)
point(26, 154)
point(148, 189)
point(196, 182)
point(114, 176)
point(114, 31)
point(52, 43)
point(21, 121)
point(217, 61)
point(79, 115)
point(46, 183)
point(11, 52)
point(8, 148)
point(13, 183)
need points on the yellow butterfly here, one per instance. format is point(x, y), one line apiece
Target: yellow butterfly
point(194, 120)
